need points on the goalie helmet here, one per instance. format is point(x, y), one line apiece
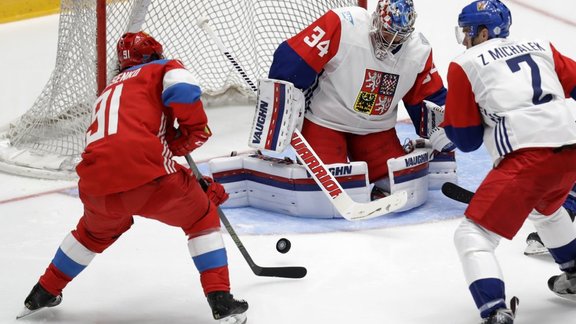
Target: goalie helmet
point(492, 14)
point(392, 24)
point(137, 48)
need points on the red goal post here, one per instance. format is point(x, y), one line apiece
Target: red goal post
point(47, 140)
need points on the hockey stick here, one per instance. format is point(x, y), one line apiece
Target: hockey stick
point(455, 192)
point(282, 272)
point(348, 208)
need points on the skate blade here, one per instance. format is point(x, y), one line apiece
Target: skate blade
point(535, 248)
point(571, 297)
point(235, 319)
point(25, 312)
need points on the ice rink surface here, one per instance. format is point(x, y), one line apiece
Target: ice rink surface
point(397, 269)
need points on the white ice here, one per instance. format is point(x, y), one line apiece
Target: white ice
point(402, 269)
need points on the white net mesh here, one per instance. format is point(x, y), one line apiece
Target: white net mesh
point(48, 139)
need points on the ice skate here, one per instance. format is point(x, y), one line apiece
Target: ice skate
point(534, 245)
point(226, 309)
point(38, 299)
point(564, 285)
point(503, 315)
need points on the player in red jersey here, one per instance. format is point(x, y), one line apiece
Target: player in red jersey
point(127, 169)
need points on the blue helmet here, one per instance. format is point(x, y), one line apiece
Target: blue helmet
point(492, 14)
point(395, 18)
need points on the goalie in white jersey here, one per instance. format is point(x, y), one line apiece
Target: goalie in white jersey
point(511, 96)
point(355, 68)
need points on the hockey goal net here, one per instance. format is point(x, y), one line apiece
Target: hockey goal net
point(47, 141)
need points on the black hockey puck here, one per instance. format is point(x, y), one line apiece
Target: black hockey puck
point(283, 245)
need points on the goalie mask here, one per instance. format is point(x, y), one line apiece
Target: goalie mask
point(490, 14)
point(137, 48)
point(392, 24)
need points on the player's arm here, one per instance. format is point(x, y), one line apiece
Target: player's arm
point(181, 95)
point(301, 58)
point(566, 71)
point(427, 86)
point(425, 105)
point(462, 119)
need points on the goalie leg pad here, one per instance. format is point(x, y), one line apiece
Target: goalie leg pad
point(442, 169)
point(280, 185)
point(410, 173)
point(279, 110)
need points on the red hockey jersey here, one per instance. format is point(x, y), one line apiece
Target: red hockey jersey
point(125, 142)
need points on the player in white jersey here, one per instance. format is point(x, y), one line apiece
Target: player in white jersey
point(355, 68)
point(511, 96)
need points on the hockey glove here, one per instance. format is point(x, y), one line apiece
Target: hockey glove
point(439, 141)
point(215, 191)
point(187, 139)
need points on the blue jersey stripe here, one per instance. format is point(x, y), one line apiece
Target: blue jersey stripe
point(161, 62)
point(289, 66)
point(284, 183)
point(488, 295)
point(211, 260)
point(467, 139)
point(181, 93)
point(65, 264)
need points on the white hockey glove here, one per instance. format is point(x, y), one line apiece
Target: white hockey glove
point(436, 134)
point(279, 111)
point(439, 141)
point(435, 116)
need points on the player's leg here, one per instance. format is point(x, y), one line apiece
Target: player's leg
point(104, 220)
point(390, 168)
point(180, 201)
point(329, 145)
point(498, 209)
point(556, 229)
point(559, 236)
point(475, 246)
point(376, 149)
point(534, 244)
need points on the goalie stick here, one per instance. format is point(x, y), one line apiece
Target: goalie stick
point(348, 208)
point(282, 272)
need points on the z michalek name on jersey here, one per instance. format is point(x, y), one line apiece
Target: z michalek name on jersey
point(507, 51)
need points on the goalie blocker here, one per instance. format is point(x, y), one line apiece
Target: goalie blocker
point(279, 111)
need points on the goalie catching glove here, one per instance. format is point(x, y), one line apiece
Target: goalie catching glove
point(279, 111)
point(439, 142)
point(186, 139)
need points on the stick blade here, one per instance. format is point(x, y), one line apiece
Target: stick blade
point(281, 272)
point(455, 192)
point(355, 211)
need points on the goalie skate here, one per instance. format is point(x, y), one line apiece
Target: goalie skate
point(534, 245)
